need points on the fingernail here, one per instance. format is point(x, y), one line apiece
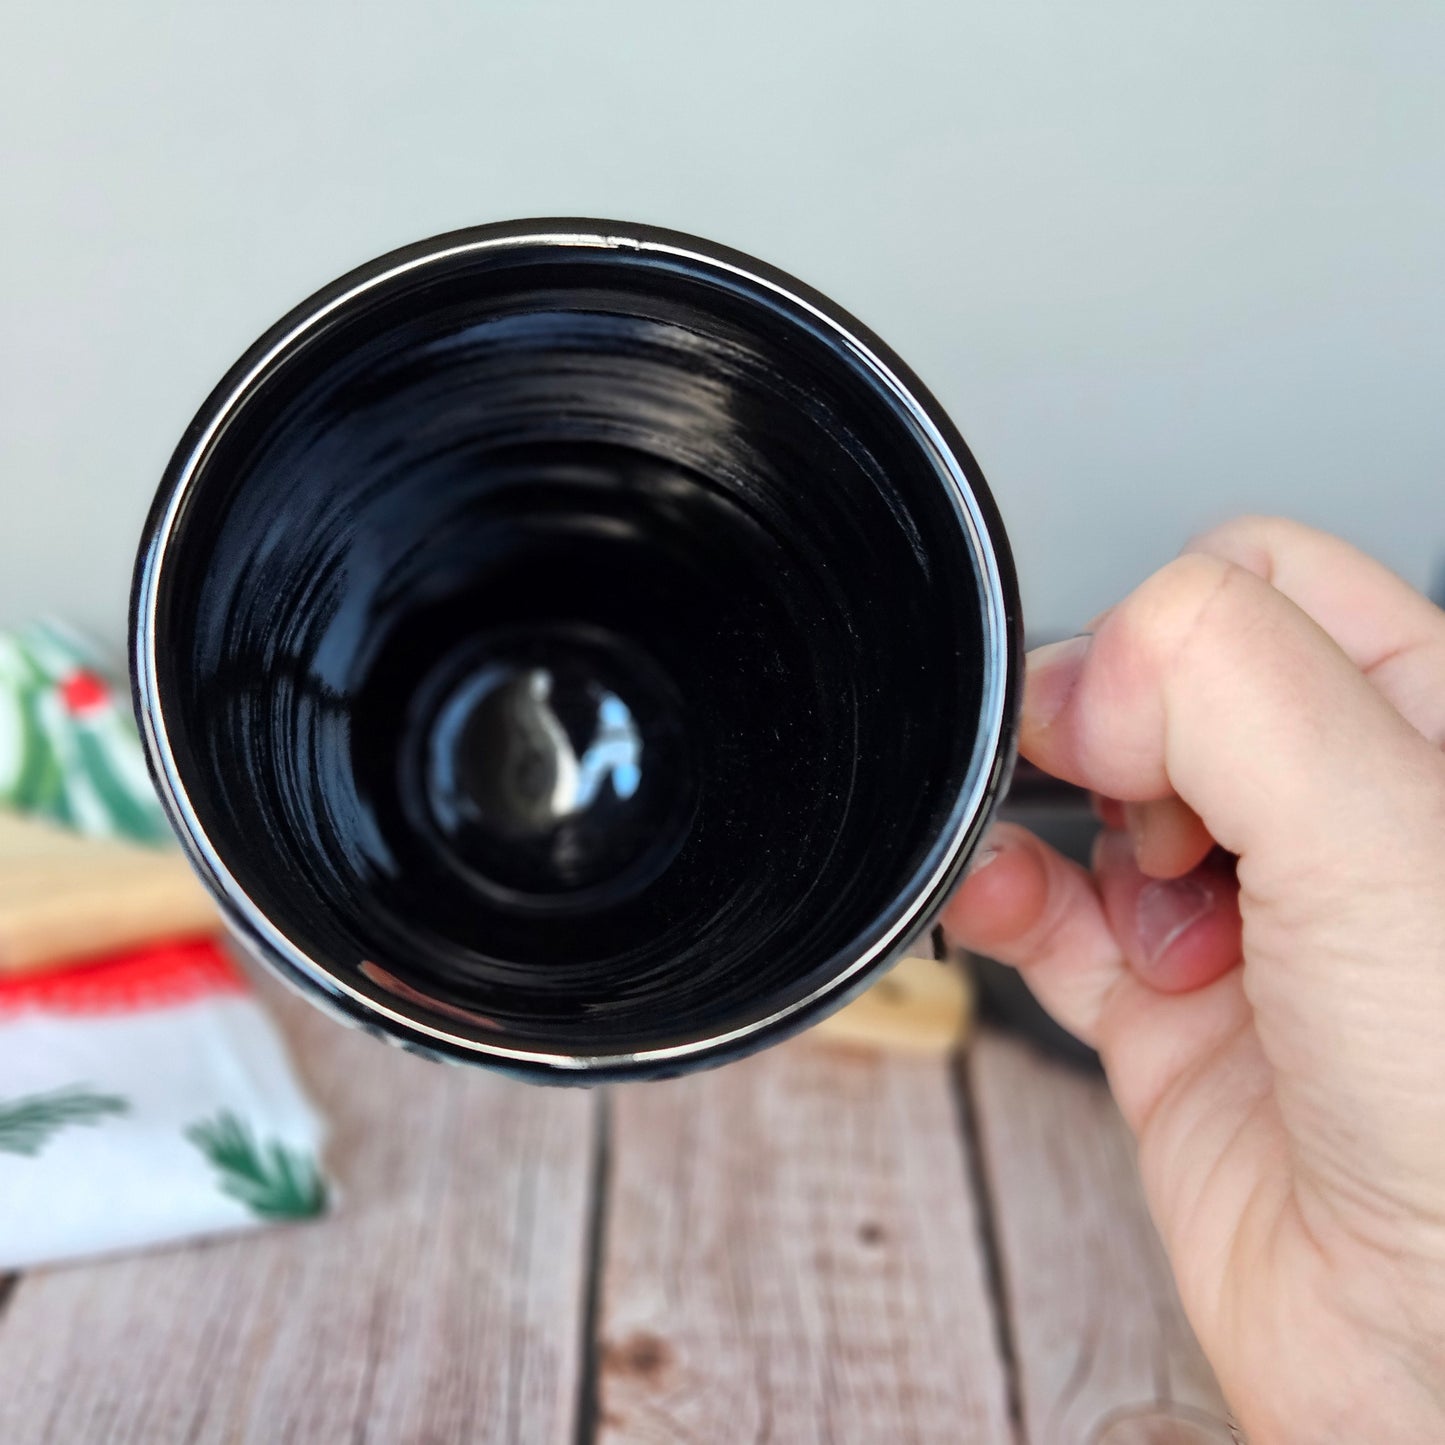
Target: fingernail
point(1167, 910)
point(1051, 676)
point(982, 859)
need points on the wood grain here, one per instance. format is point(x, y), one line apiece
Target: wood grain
point(1103, 1353)
point(442, 1303)
point(792, 1257)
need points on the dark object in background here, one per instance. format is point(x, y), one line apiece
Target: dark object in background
point(575, 647)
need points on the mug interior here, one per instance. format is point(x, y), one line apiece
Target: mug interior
point(582, 649)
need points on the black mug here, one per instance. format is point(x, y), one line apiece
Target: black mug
point(577, 648)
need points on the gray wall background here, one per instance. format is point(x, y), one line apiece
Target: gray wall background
point(1161, 261)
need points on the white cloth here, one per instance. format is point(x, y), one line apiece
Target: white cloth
point(143, 1099)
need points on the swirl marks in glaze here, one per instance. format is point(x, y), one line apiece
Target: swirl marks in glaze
point(586, 642)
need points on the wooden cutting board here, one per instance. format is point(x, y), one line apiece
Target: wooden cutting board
point(64, 897)
point(921, 1006)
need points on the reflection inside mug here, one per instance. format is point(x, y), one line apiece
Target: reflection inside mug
point(535, 777)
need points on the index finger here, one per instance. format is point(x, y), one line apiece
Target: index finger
point(1210, 684)
point(1392, 633)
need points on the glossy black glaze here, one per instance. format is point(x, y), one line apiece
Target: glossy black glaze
point(576, 654)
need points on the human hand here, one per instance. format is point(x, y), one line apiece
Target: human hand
point(1259, 957)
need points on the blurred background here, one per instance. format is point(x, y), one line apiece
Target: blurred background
point(1162, 263)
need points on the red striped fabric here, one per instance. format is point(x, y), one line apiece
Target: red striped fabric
point(158, 976)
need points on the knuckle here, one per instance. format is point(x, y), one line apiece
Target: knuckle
point(1254, 528)
point(1192, 592)
point(1251, 540)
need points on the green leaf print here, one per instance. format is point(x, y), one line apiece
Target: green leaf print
point(136, 818)
point(38, 782)
point(272, 1181)
point(28, 1124)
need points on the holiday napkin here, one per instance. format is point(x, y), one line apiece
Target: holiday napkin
point(143, 1099)
point(68, 746)
point(144, 1096)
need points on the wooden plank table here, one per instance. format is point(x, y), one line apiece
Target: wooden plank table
point(822, 1245)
